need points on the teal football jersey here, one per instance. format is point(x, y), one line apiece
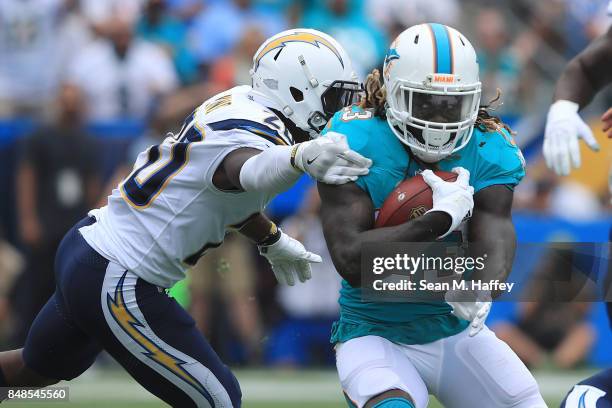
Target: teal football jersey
point(492, 158)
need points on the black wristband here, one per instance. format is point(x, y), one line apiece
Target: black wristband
point(271, 238)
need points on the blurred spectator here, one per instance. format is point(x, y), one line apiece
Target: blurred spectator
point(389, 13)
point(538, 47)
point(57, 184)
point(346, 21)
point(220, 26)
point(566, 199)
point(28, 62)
point(75, 34)
point(11, 265)
point(310, 307)
point(554, 324)
point(573, 201)
point(123, 76)
point(101, 14)
point(545, 21)
point(557, 332)
point(290, 9)
point(233, 69)
point(534, 193)
point(499, 69)
point(159, 26)
point(185, 10)
point(225, 277)
point(584, 20)
point(153, 135)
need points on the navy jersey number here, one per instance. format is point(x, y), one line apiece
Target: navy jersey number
point(145, 183)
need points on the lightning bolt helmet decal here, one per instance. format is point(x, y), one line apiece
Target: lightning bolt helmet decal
point(298, 36)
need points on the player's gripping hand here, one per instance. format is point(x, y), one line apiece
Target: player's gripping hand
point(475, 311)
point(289, 259)
point(454, 198)
point(330, 160)
point(563, 129)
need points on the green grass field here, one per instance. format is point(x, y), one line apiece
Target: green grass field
point(260, 388)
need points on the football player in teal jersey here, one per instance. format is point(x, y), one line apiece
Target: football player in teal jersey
point(426, 117)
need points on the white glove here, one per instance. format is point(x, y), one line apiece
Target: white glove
point(330, 160)
point(563, 129)
point(288, 257)
point(454, 198)
point(475, 312)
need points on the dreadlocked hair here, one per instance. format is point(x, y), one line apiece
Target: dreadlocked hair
point(486, 122)
point(375, 94)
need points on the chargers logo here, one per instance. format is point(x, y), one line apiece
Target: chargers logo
point(299, 36)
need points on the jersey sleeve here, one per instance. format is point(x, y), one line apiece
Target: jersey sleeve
point(233, 110)
point(225, 128)
point(357, 139)
point(499, 161)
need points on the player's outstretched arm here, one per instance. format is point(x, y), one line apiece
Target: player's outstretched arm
point(347, 215)
point(275, 169)
point(587, 73)
point(583, 77)
point(249, 169)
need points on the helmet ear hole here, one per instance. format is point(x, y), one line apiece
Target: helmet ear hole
point(298, 95)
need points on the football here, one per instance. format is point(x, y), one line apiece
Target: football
point(410, 199)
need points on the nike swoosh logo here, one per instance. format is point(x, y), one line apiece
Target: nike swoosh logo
point(309, 162)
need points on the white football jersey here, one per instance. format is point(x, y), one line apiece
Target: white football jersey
point(167, 212)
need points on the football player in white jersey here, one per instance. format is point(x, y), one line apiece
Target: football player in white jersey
point(232, 155)
point(583, 77)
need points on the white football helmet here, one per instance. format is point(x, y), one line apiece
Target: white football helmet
point(307, 74)
point(433, 90)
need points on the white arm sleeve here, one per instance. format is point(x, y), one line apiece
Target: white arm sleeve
point(269, 171)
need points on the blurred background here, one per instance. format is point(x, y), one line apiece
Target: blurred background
point(85, 85)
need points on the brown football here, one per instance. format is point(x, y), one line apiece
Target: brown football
point(411, 199)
